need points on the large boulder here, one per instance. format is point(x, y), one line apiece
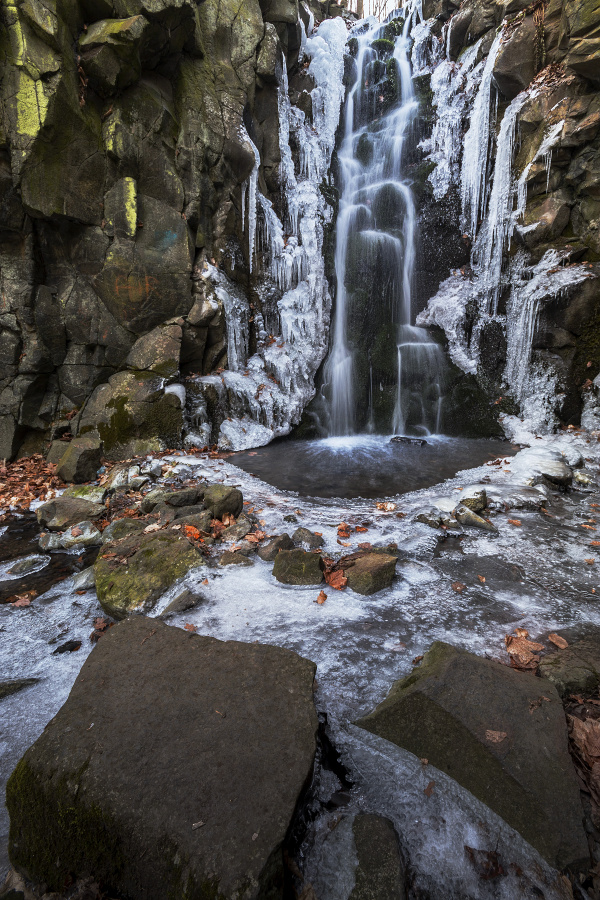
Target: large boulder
point(499, 733)
point(81, 460)
point(131, 574)
point(221, 499)
point(173, 769)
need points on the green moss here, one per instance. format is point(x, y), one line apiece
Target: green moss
point(352, 46)
point(54, 835)
point(393, 29)
point(383, 46)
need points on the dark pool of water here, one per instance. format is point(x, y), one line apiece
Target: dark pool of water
point(366, 465)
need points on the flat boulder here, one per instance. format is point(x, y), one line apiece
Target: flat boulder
point(131, 574)
point(371, 573)
point(62, 512)
point(271, 548)
point(501, 734)
point(187, 782)
point(576, 669)
point(298, 567)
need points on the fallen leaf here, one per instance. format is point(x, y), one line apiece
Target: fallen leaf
point(344, 530)
point(521, 632)
point(590, 562)
point(361, 529)
point(22, 601)
point(516, 522)
point(187, 627)
point(76, 531)
point(558, 641)
point(191, 532)
point(255, 537)
point(417, 660)
point(205, 581)
point(495, 737)
point(594, 543)
point(591, 527)
point(386, 506)
point(343, 543)
point(522, 652)
point(150, 528)
point(429, 789)
point(365, 546)
point(321, 598)
point(336, 579)
point(481, 578)
point(458, 586)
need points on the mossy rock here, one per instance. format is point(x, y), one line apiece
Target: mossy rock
point(138, 802)
point(298, 567)
point(371, 573)
point(393, 29)
point(383, 46)
point(152, 563)
point(221, 499)
point(485, 725)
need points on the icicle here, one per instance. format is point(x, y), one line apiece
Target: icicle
point(474, 168)
point(250, 187)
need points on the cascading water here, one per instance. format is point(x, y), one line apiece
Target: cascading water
point(383, 372)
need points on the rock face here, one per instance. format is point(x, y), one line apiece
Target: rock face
point(189, 778)
point(131, 574)
point(501, 734)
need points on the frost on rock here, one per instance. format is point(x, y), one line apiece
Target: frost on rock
point(261, 397)
point(447, 310)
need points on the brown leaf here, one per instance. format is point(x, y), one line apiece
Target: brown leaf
point(187, 627)
point(516, 522)
point(429, 789)
point(386, 506)
point(458, 586)
point(321, 598)
point(22, 600)
point(590, 562)
point(590, 527)
point(558, 641)
point(255, 537)
point(417, 660)
point(361, 529)
point(522, 652)
point(423, 761)
point(586, 737)
point(481, 578)
point(336, 579)
point(205, 581)
point(495, 737)
point(521, 632)
point(594, 543)
point(76, 531)
point(365, 546)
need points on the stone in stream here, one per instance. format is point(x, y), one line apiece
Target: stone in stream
point(371, 573)
point(269, 551)
point(14, 685)
point(308, 538)
point(29, 564)
point(120, 528)
point(229, 558)
point(501, 734)
point(431, 517)
point(60, 513)
point(84, 534)
point(185, 497)
point(133, 573)
point(379, 874)
point(221, 499)
point(534, 465)
point(200, 520)
point(173, 769)
point(576, 669)
point(474, 498)
point(182, 603)
point(466, 516)
point(298, 567)
point(237, 532)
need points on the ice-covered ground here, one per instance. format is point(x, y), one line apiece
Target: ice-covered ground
point(536, 576)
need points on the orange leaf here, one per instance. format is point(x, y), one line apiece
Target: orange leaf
point(189, 627)
point(191, 532)
point(594, 543)
point(591, 527)
point(361, 529)
point(558, 641)
point(321, 598)
point(516, 522)
point(590, 562)
point(386, 506)
point(343, 543)
point(205, 581)
point(336, 580)
point(458, 587)
point(481, 578)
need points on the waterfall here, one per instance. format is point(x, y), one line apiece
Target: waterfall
point(382, 372)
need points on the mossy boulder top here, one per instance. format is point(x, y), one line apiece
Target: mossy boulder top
point(501, 734)
point(131, 574)
point(173, 769)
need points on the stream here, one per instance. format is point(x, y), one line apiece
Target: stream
point(536, 576)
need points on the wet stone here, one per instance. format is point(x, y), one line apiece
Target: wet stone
point(230, 558)
point(83, 534)
point(298, 567)
point(474, 498)
point(379, 874)
point(576, 669)
point(14, 685)
point(120, 528)
point(60, 513)
point(269, 551)
point(28, 565)
point(307, 538)
point(221, 499)
point(182, 603)
point(371, 573)
point(466, 516)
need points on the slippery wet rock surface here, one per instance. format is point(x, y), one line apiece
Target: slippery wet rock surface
point(501, 733)
point(462, 585)
point(174, 768)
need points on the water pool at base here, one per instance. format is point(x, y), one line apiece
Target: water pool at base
point(369, 466)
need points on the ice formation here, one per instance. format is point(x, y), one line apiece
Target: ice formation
point(266, 393)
